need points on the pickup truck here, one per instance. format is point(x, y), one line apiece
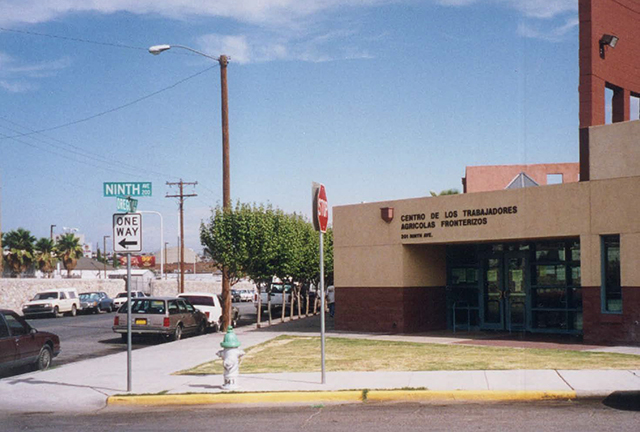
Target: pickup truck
point(275, 292)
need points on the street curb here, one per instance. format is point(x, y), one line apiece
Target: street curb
point(349, 396)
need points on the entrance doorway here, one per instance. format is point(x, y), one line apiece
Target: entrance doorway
point(504, 297)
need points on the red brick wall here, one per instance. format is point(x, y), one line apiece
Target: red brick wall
point(620, 66)
point(390, 310)
point(608, 328)
point(619, 69)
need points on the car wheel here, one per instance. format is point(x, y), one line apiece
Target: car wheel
point(44, 358)
point(56, 312)
point(177, 333)
point(74, 311)
point(123, 336)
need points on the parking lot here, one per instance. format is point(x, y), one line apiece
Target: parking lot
point(90, 336)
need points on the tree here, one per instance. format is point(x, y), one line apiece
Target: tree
point(445, 192)
point(68, 250)
point(45, 257)
point(19, 243)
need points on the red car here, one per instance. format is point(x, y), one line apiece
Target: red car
point(21, 344)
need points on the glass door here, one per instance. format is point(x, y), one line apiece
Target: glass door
point(493, 303)
point(515, 291)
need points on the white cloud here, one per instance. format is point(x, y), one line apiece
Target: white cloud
point(18, 77)
point(250, 11)
point(551, 33)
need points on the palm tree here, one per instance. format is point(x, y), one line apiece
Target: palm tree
point(45, 255)
point(68, 250)
point(20, 245)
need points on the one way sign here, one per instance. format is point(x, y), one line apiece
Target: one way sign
point(127, 232)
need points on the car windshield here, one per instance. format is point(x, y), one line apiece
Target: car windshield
point(89, 296)
point(199, 300)
point(46, 296)
point(148, 306)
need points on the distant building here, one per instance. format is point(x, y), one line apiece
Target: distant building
point(498, 177)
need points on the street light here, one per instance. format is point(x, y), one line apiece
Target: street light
point(223, 60)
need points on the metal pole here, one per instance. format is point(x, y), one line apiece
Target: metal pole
point(128, 322)
point(322, 342)
point(104, 253)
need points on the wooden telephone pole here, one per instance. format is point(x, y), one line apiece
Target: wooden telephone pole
point(181, 196)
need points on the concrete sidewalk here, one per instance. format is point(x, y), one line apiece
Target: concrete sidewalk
point(87, 385)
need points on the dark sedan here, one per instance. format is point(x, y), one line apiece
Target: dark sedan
point(21, 344)
point(95, 302)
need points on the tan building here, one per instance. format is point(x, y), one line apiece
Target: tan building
point(550, 259)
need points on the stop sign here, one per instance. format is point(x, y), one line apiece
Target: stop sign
point(322, 209)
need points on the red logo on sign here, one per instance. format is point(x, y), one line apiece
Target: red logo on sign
point(323, 209)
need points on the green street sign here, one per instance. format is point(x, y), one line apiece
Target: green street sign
point(126, 204)
point(127, 189)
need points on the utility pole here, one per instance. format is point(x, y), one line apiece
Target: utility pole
point(182, 196)
point(226, 183)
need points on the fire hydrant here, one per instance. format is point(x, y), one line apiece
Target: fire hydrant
point(230, 355)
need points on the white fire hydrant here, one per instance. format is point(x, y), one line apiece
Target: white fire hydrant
point(230, 355)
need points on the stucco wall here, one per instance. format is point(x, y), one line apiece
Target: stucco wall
point(372, 253)
point(614, 150)
point(15, 292)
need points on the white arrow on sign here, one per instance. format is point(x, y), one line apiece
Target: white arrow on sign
point(127, 232)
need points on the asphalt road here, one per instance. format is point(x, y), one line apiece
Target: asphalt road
point(562, 416)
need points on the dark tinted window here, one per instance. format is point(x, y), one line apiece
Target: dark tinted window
point(199, 300)
point(148, 306)
point(4, 330)
point(173, 307)
point(16, 326)
point(182, 306)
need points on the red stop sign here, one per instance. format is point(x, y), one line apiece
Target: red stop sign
point(322, 209)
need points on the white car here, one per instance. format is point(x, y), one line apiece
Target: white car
point(246, 295)
point(208, 304)
point(54, 301)
point(121, 298)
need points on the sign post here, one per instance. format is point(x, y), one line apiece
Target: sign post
point(127, 238)
point(320, 222)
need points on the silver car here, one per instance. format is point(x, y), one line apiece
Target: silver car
point(167, 316)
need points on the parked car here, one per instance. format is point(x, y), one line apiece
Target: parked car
point(235, 295)
point(245, 295)
point(167, 316)
point(95, 302)
point(235, 314)
point(54, 301)
point(121, 298)
point(21, 344)
point(275, 291)
point(209, 305)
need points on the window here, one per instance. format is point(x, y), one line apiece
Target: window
point(554, 179)
point(17, 328)
point(611, 290)
point(4, 330)
point(173, 307)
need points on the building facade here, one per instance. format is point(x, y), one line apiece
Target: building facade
point(556, 259)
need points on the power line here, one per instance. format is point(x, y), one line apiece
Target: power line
point(109, 111)
point(32, 33)
point(81, 152)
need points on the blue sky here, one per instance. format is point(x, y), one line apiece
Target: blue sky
point(376, 99)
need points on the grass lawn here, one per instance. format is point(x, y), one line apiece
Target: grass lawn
point(302, 354)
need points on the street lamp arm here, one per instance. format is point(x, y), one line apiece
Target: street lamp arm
point(157, 49)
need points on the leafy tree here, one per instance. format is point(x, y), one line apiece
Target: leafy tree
point(19, 243)
point(44, 256)
point(68, 250)
point(445, 192)
point(223, 239)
